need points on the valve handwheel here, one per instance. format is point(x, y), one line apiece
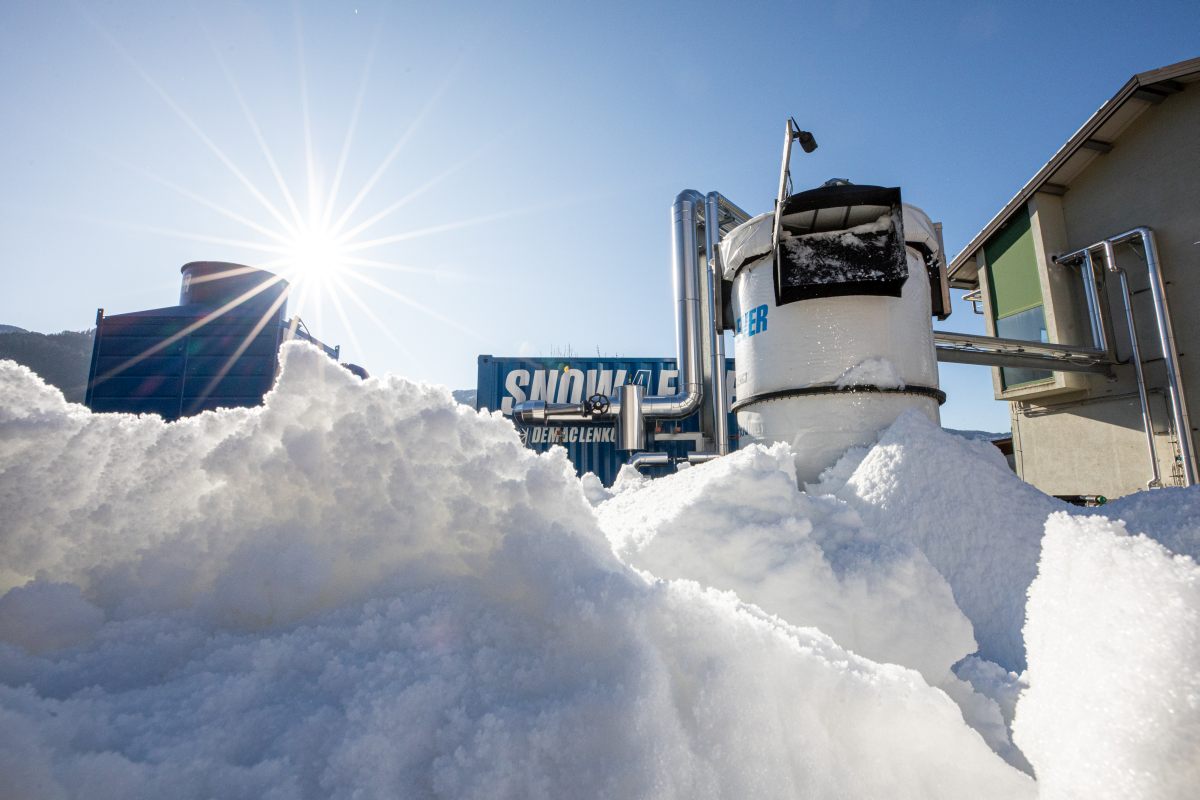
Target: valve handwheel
point(597, 404)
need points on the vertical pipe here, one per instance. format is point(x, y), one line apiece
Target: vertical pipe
point(1166, 340)
point(631, 427)
point(685, 273)
point(1092, 293)
point(1136, 358)
point(720, 403)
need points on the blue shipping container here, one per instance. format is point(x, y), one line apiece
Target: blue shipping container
point(505, 381)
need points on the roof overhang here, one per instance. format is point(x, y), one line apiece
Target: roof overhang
point(1094, 139)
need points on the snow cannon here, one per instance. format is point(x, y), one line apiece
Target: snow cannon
point(832, 317)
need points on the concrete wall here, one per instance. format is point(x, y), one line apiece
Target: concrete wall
point(1092, 441)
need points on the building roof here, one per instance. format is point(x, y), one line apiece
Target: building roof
point(1140, 93)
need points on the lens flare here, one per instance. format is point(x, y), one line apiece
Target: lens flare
point(314, 254)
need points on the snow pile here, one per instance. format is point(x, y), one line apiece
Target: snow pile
point(1171, 516)
point(741, 524)
point(364, 589)
point(1113, 705)
point(956, 501)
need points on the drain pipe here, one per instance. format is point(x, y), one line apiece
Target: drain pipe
point(1166, 340)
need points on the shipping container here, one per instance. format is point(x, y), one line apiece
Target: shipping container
point(505, 381)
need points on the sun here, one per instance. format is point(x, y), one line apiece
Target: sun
point(315, 254)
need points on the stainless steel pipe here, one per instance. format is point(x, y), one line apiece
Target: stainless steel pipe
point(716, 334)
point(686, 213)
point(631, 425)
point(1136, 358)
point(1166, 340)
point(642, 460)
point(1091, 292)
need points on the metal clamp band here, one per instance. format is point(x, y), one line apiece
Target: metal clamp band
point(829, 388)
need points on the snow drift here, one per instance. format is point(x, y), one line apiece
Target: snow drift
point(1113, 705)
point(742, 524)
point(366, 589)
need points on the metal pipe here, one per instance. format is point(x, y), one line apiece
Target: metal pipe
point(630, 410)
point(1096, 317)
point(631, 425)
point(641, 460)
point(686, 212)
point(720, 403)
point(1136, 358)
point(539, 412)
point(1054, 356)
point(788, 136)
point(1092, 293)
point(1166, 340)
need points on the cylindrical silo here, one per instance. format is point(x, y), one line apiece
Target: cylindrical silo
point(833, 338)
point(244, 289)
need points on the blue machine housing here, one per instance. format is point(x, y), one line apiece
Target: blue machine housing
point(505, 381)
point(219, 348)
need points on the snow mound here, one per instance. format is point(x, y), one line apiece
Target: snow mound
point(741, 524)
point(365, 589)
point(1113, 704)
point(1170, 515)
point(956, 501)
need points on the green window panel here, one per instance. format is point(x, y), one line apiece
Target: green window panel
point(1012, 268)
point(1016, 290)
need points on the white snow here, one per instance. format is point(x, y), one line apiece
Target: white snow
point(365, 589)
point(741, 524)
point(957, 501)
point(1113, 705)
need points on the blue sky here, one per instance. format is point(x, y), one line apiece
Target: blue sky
point(543, 142)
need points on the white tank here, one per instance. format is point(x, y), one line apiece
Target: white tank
point(828, 373)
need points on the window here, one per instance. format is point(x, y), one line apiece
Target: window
point(1016, 292)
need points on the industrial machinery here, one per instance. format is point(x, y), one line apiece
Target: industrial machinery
point(830, 297)
point(218, 348)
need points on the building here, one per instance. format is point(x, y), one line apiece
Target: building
point(1135, 163)
point(219, 348)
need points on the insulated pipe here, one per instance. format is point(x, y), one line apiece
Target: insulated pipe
point(631, 425)
point(686, 212)
point(655, 459)
point(720, 403)
point(1166, 339)
point(1136, 358)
